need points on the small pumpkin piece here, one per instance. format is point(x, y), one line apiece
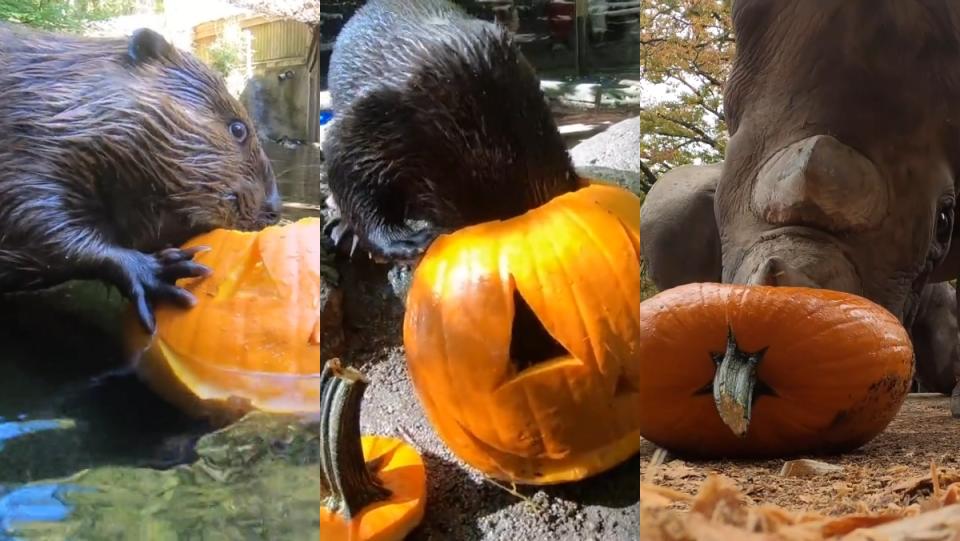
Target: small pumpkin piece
point(372, 488)
point(757, 371)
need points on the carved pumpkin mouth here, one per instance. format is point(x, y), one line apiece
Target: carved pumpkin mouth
point(530, 343)
point(534, 349)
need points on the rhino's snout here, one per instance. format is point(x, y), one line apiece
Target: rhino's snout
point(777, 272)
point(795, 258)
point(821, 182)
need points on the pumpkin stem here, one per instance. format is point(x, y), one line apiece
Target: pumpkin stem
point(733, 385)
point(348, 483)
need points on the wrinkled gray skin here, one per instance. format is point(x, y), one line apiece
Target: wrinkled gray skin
point(681, 244)
point(935, 337)
point(844, 149)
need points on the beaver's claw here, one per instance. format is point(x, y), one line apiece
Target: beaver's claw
point(338, 230)
point(148, 278)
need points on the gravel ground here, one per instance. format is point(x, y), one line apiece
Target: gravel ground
point(462, 506)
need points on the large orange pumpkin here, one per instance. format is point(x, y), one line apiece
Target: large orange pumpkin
point(372, 488)
point(736, 371)
point(518, 335)
point(253, 337)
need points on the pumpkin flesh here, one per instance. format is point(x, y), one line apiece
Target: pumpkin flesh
point(575, 263)
point(253, 335)
point(833, 368)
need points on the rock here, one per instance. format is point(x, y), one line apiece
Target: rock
point(612, 155)
point(808, 468)
point(617, 147)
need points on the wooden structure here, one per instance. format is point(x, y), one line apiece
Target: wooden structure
point(287, 35)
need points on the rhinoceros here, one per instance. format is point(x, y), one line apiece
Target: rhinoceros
point(841, 170)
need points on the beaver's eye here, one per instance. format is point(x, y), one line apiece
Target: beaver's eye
point(238, 130)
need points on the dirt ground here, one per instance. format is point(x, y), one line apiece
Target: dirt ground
point(462, 506)
point(876, 475)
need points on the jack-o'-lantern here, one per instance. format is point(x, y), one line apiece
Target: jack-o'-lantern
point(253, 338)
point(518, 336)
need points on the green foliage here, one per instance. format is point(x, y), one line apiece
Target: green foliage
point(62, 15)
point(227, 53)
point(688, 45)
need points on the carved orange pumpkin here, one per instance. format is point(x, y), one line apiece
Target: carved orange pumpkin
point(736, 371)
point(253, 338)
point(518, 335)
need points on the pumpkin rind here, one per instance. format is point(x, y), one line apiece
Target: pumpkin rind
point(372, 488)
point(576, 263)
point(839, 365)
point(253, 335)
point(404, 474)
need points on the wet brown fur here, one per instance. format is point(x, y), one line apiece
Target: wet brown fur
point(437, 117)
point(114, 148)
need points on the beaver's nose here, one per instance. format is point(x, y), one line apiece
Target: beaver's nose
point(272, 207)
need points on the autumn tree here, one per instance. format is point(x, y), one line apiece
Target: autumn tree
point(686, 50)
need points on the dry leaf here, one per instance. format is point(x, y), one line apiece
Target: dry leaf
point(721, 512)
point(808, 468)
point(951, 495)
point(720, 500)
point(658, 496)
point(849, 523)
point(702, 529)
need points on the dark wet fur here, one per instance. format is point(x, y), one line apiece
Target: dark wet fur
point(112, 150)
point(437, 117)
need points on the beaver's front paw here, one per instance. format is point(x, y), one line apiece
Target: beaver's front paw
point(339, 232)
point(148, 278)
point(404, 248)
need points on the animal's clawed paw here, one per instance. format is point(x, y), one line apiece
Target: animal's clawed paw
point(338, 231)
point(151, 278)
point(408, 248)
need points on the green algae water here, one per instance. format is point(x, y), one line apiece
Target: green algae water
point(89, 452)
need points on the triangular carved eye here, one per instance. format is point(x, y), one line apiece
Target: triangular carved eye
point(530, 343)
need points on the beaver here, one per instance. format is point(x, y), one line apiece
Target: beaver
point(113, 152)
point(437, 116)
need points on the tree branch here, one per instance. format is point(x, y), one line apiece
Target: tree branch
point(651, 177)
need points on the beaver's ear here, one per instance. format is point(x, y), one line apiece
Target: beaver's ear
point(147, 45)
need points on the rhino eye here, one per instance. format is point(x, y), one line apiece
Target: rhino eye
point(944, 223)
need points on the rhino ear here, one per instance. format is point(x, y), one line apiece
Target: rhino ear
point(949, 267)
point(147, 45)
